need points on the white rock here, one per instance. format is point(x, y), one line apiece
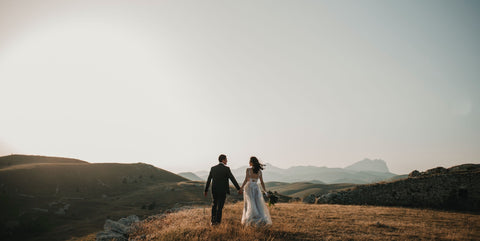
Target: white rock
point(108, 236)
point(116, 227)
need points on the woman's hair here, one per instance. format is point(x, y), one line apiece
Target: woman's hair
point(256, 164)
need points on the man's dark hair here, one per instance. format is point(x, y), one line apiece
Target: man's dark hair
point(221, 158)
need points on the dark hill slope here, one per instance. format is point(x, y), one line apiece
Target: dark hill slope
point(55, 198)
point(82, 179)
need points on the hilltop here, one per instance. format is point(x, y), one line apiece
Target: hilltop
point(12, 161)
point(312, 222)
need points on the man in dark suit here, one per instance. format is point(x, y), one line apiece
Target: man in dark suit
point(220, 175)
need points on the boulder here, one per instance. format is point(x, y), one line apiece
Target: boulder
point(117, 231)
point(128, 221)
point(109, 236)
point(116, 227)
point(415, 173)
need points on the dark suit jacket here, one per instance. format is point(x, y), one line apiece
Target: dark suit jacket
point(220, 175)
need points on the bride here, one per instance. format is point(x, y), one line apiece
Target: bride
point(255, 212)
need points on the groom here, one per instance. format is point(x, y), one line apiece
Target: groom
point(220, 175)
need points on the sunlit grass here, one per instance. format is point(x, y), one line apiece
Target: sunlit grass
point(316, 222)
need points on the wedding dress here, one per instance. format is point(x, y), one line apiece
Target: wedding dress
point(255, 211)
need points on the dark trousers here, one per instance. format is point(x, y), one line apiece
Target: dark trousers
point(217, 207)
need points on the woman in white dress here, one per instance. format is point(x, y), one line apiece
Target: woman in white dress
point(255, 211)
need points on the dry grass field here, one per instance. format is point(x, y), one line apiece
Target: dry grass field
point(315, 222)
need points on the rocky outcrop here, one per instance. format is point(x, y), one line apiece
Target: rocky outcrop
point(309, 199)
point(465, 168)
point(455, 188)
point(120, 230)
point(117, 230)
point(414, 174)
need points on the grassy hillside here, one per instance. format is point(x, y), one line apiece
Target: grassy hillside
point(302, 189)
point(82, 179)
point(314, 222)
point(65, 197)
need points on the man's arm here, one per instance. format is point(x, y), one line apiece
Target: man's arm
point(232, 178)
point(209, 179)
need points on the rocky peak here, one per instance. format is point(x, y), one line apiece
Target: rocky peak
point(376, 165)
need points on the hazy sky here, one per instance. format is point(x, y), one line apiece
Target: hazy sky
point(176, 83)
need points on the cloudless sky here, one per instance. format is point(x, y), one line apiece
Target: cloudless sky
point(176, 83)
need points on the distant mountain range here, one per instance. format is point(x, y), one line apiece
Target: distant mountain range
point(190, 176)
point(362, 172)
point(367, 165)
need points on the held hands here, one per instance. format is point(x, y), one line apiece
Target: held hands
point(240, 191)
